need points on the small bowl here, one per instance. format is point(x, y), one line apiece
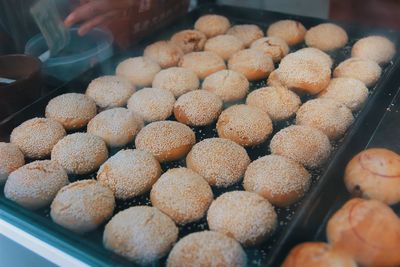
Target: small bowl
point(27, 87)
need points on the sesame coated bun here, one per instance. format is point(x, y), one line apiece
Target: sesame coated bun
point(365, 70)
point(280, 180)
point(316, 54)
point(303, 144)
point(140, 71)
point(82, 206)
point(273, 79)
point(326, 37)
point(177, 80)
point(11, 158)
point(212, 25)
point(253, 64)
point(376, 48)
point(224, 45)
point(141, 234)
point(166, 53)
point(245, 216)
point(374, 173)
point(367, 230)
point(202, 63)
point(189, 40)
point(72, 110)
point(182, 194)
point(220, 161)
point(35, 185)
point(80, 153)
point(166, 140)
point(272, 46)
point(207, 248)
point(36, 137)
point(291, 31)
point(246, 33)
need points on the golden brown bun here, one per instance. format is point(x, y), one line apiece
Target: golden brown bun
point(291, 31)
point(212, 25)
point(253, 64)
point(368, 230)
point(326, 37)
point(273, 79)
point(272, 46)
point(11, 158)
point(202, 63)
point(189, 40)
point(247, 33)
point(224, 45)
point(376, 48)
point(365, 70)
point(166, 53)
point(177, 80)
point(140, 71)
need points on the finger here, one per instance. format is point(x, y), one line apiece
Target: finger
point(87, 12)
point(87, 26)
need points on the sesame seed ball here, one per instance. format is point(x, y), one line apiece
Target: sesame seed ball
point(202, 63)
point(348, 91)
point(277, 101)
point(80, 153)
point(291, 31)
point(182, 194)
point(82, 206)
point(198, 108)
point(224, 45)
point(326, 115)
point(303, 144)
point(140, 71)
point(229, 85)
point(72, 110)
point(11, 158)
point(36, 137)
point(220, 161)
point(189, 40)
point(245, 216)
point(244, 124)
point(166, 140)
point(166, 53)
point(376, 48)
point(280, 180)
point(141, 234)
point(247, 33)
point(326, 36)
point(35, 185)
point(110, 91)
point(116, 126)
point(129, 173)
point(316, 54)
point(176, 80)
point(207, 248)
point(365, 70)
point(212, 25)
point(152, 104)
point(272, 46)
point(253, 64)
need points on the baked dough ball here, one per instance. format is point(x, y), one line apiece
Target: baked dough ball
point(273, 79)
point(244, 124)
point(11, 158)
point(212, 25)
point(330, 117)
point(224, 45)
point(365, 70)
point(273, 46)
point(368, 230)
point(306, 145)
point(129, 173)
point(110, 91)
point(202, 63)
point(82, 206)
point(189, 40)
point(152, 104)
point(277, 101)
point(36, 137)
point(326, 37)
point(348, 91)
point(182, 194)
point(166, 53)
point(80, 153)
point(140, 71)
point(247, 33)
point(245, 216)
point(317, 254)
point(316, 54)
point(220, 161)
point(375, 173)
point(35, 185)
point(253, 64)
point(280, 180)
point(291, 31)
point(198, 108)
point(166, 140)
point(229, 85)
point(177, 80)
point(72, 110)
point(141, 234)
point(117, 126)
point(207, 248)
point(376, 48)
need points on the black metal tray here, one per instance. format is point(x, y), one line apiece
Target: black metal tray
point(296, 223)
